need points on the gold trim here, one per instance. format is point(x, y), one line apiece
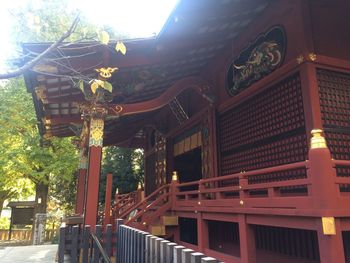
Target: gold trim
point(96, 132)
point(312, 56)
point(317, 140)
point(106, 72)
point(174, 177)
point(328, 225)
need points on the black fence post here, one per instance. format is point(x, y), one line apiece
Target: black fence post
point(74, 244)
point(96, 253)
point(61, 246)
point(86, 243)
point(119, 239)
point(108, 240)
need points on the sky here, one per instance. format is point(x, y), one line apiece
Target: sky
point(138, 18)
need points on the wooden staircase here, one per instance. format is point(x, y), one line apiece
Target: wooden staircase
point(153, 214)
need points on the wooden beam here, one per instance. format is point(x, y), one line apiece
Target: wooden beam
point(195, 83)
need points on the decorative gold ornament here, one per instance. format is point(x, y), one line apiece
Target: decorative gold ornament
point(300, 59)
point(174, 177)
point(312, 56)
point(328, 225)
point(106, 72)
point(96, 132)
point(317, 139)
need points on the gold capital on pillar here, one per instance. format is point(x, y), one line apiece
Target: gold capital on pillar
point(317, 139)
point(96, 132)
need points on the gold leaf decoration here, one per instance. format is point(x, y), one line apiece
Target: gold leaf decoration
point(120, 47)
point(96, 132)
point(104, 37)
point(106, 72)
point(81, 85)
point(94, 86)
point(108, 86)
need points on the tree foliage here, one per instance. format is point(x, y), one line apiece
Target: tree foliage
point(126, 165)
point(23, 153)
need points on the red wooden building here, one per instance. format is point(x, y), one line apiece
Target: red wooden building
point(248, 101)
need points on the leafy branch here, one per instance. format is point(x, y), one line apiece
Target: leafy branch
point(36, 60)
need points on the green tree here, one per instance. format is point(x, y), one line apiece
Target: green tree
point(126, 165)
point(24, 154)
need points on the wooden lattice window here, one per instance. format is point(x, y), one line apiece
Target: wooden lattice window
point(266, 130)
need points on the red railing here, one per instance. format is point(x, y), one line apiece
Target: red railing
point(148, 210)
point(125, 201)
point(275, 190)
point(342, 179)
point(240, 191)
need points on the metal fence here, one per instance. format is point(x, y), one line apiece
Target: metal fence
point(125, 245)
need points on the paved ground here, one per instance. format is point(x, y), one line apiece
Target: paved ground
point(29, 254)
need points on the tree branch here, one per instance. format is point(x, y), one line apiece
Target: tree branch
point(36, 60)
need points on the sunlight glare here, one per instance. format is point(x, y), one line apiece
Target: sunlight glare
point(136, 18)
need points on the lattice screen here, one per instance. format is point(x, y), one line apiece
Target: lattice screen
point(267, 130)
point(334, 90)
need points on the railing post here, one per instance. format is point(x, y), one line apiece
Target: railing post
point(61, 246)
point(139, 194)
point(196, 257)
point(86, 243)
point(243, 182)
point(108, 196)
point(170, 251)
point(119, 239)
point(157, 250)
point(148, 249)
point(322, 173)
point(173, 189)
point(247, 240)
point(186, 255)
point(163, 246)
point(108, 240)
point(74, 244)
point(178, 254)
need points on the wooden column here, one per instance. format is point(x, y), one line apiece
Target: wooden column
point(311, 98)
point(82, 172)
point(203, 235)
point(330, 245)
point(247, 240)
point(94, 168)
point(324, 191)
point(107, 218)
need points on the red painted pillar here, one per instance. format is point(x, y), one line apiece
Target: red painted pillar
point(94, 168)
point(247, 240)
point(79, 205)
point(324, 191)
point(80, 197)
point(330, 246)
point(203, 234)
point(107, 218)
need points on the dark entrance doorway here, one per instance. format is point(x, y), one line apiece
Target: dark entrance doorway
point(189, 166)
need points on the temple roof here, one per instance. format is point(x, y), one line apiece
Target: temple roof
point(196, 32)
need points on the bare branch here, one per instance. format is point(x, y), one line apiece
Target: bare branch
point(37, 59)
